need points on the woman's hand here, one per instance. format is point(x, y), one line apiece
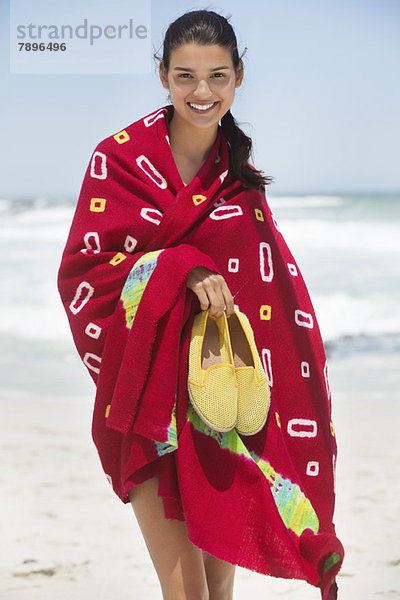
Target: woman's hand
point(211, 289)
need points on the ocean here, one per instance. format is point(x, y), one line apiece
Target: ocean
point(347, 248)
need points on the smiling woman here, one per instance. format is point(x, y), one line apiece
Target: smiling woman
point(202, 93)
point(201, 68)
point(172, 221)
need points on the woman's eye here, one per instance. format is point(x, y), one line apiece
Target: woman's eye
point(188, 75)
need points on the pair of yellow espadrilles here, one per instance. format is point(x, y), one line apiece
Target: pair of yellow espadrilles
point(227, 384)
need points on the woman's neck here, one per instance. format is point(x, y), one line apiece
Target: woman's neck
point(192, 143)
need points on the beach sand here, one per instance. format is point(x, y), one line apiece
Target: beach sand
point(66, 535)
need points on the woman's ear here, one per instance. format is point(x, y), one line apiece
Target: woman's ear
point(163, 77)
point(239, 74)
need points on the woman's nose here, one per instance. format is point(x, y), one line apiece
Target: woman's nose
point(203, 89)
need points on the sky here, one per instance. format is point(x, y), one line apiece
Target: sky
point(320, 99)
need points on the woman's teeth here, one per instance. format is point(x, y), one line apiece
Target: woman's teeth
point(201, 107)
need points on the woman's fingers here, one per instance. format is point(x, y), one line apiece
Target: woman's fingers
point(220, 297)
point(212, 291)
point(217, 301)
point(203, 298)
point(229, 303)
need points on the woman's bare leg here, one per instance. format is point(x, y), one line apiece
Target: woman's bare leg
point(178, 563)
point(220, 578)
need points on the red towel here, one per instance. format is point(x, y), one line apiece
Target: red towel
point(264, 502)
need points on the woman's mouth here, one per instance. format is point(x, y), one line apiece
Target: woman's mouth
point(201, 108)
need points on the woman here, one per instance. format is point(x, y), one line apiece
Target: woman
point(172, 220)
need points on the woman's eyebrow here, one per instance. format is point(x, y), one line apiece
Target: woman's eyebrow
point(192, 70)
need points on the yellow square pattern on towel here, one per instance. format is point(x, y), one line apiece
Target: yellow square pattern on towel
point(121, 137)
point(117, 258)
point(265, 312)
point(97, 204)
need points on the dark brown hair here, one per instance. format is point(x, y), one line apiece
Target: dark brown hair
point(206, 27)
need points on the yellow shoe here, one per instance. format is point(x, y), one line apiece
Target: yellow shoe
point(212, 385)
point(254, 392)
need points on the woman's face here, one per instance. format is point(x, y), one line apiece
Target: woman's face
point(201, 76)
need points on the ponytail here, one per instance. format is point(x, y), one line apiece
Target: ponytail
point(240, 149)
